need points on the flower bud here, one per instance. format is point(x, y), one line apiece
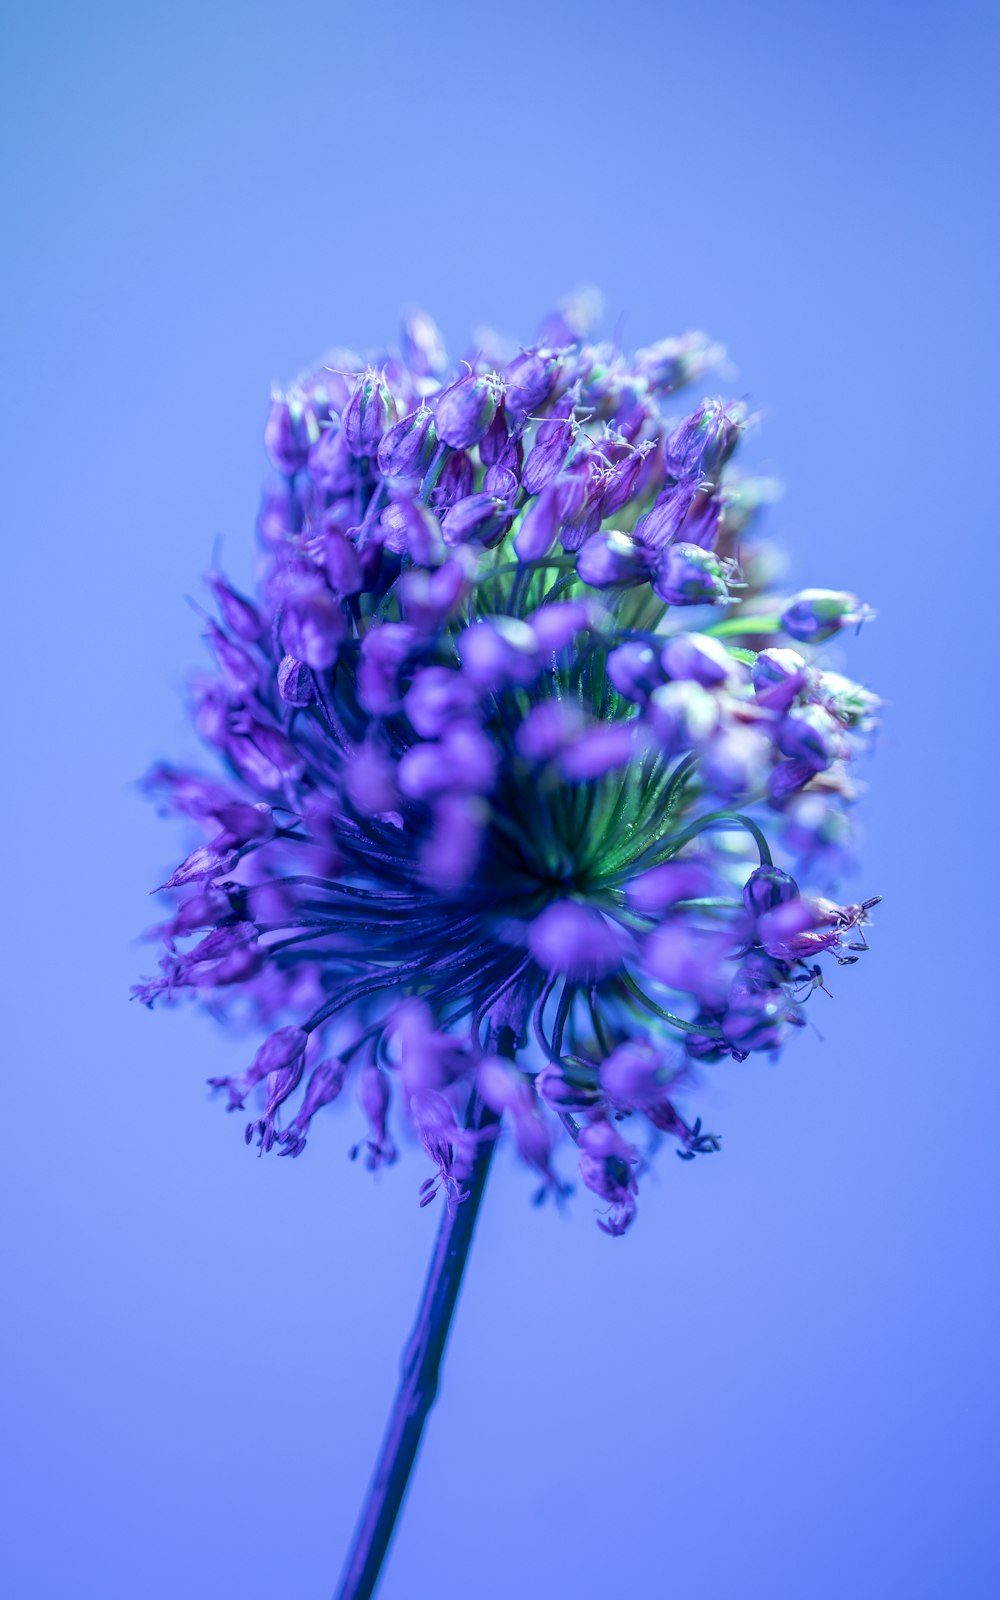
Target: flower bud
point(576, 940)
point(690, 960)
point(450, 854)
point(753, 1020)
point(383, 651)
point(203, 862)
point(574, 316)
point(787, 778)
point(611, 560)
point(809, 735)
point(295, 684)
point(281, 1050)
point(547, 729)
point(766, 888)
point(242, 823)
point(411, 528)
point(817, 614)
point(286, 434)
point(463, 761)
point(503, 476)
point(427, 598)
point(604, 748)
point(435, 698)
point(407, 449)
point(499, 652)
point(636, 1076)
point(465, 411)
point(323, 1086)
point(702, 444)
point(369, 412)
point(548, 454)
point(557, 624)
point(481, 518)
point(684, 716)
point(496, 438)
point(778, 676)
point(331, 466)
point(671, 363)
point(736, 762)
point(620, 481)
point(455, 483)
point(239, 666)
point(702, 524)
point(635, 671)
point(370, 780)
point(312, 628)
point(705, 1046)
point(344, 571)
point(239, 614)
point(536, 534)
point(374, 1095)
point(851, 704)
point(667, 885)
point(502, 1086)
point(568, 1086)
point(686, 575)
point(661, 525)
point(279, 514)
point(698, 657)
point(528, 381)
point(606, 1167)
point(423, 345)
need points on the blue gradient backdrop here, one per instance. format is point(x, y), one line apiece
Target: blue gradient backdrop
point(784, 1382)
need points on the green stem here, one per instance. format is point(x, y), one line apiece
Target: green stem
point(734, 626)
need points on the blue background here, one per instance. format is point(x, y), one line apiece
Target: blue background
point(784, 1381)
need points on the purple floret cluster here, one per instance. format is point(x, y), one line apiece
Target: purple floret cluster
point(529, 780)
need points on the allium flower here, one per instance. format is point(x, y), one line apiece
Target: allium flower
point(528, 785)
point(498, 745)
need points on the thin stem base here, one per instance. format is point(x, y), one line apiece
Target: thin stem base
point(420, 1371)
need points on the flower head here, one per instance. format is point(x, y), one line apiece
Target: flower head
point(505, 764)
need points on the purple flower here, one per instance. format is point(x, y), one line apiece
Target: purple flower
point(778, 677)
point(817, 614)
point(528, 381)
point(407, 449)
point(455, 483)
point(286, 434)
point(539, 526)
point(499, 652)
point(810, 735)
point(607, 1167)
point(576, 940)
point(423, 345)
point(549, 453)
point(369, 412)
point(613, 560)
point(312, 627)
point(635, 670)
point(479, 778)
point(479, 517)
point(687, 575)
point(383, 652)
point(466, 410)
point(700, 658)
point(702, 444)
point(768, 887)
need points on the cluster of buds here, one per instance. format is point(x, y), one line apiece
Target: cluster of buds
point(517, 744)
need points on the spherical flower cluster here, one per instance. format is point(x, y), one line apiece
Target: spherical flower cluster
point(507, 767)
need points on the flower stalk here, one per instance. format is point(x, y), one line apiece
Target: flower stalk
point(420, 1368)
